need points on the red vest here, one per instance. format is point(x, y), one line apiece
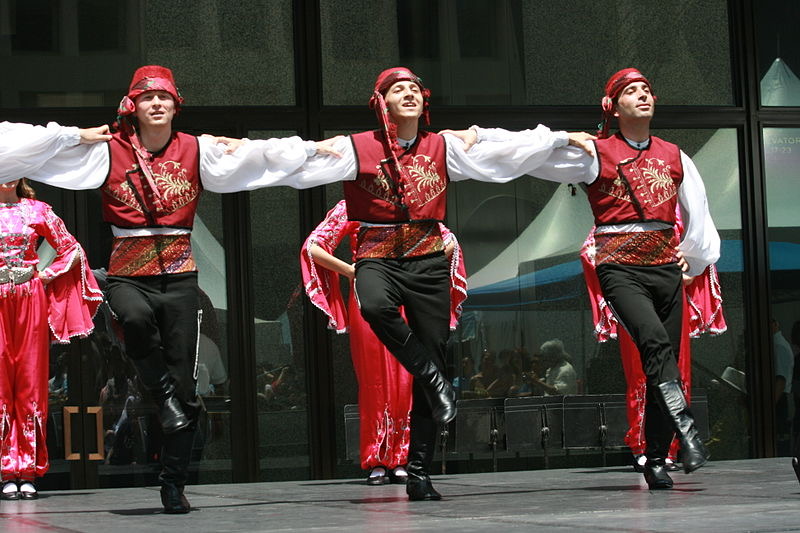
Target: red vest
point(635, 185)
point(373, 196)
point(128, 201)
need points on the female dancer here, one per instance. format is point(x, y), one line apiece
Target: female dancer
point(30, 315)
point(384, 386)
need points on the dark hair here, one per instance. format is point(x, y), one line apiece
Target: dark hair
point(24, 189)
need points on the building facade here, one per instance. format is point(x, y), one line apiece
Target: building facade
point(274, 380)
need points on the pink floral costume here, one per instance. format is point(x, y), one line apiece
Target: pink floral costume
point(384, 386)
point(30, 316)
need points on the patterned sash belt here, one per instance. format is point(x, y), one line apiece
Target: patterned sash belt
point(151, 255)
point(400, 241)
point(15, 275)
point(636, 248)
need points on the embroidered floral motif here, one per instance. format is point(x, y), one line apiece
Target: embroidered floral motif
point(659, 180)
point(658, 185)
point(174, 185)
point(381, 187)
point(616, 189)
point(427, 181)
point(426, 184)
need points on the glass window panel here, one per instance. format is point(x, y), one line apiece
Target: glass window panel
point(345, 383)
point(212, 447)
point(34, 26)
point(245, 55)
point(527, 52)
point(782, 161)
point(521, 242)
point(778, 52)
point(280, 343)
point(95, 14)
point(248, 44)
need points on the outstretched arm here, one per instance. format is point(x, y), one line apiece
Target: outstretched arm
point(39, 152)
point(499, 155)
point(470, 136)
point(282, 161)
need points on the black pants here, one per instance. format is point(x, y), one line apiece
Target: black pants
point(160, 315)
point(647, 301)
point(422, 288)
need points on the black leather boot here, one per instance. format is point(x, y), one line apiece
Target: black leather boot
point(658, 435)
point(173, 500)
point(176, 455)
point(693, 452)
point(419, 486)
point(420, 457)
point(156, 378)
point(656, 476)
point(796, 466)
point(416, 358)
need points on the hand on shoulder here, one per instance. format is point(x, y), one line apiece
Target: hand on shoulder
point(582, 140)
point(468, 137)
point(95, 135)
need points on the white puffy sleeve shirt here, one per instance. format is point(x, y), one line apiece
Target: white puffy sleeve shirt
point(255, 164)
point(700, 242)
point(24, 148)
point(491, 162)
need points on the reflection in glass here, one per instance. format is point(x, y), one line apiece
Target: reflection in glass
point(278, 300)
point(782, 161)
point(778, 51)
point(521, 242)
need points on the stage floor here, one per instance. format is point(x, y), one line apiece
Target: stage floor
point(724, 496)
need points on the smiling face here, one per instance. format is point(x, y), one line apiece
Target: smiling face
point(635, 102)
point(404, 100)
point(155, 108)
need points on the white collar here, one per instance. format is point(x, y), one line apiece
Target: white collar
point(405, 144)
point(639, 145)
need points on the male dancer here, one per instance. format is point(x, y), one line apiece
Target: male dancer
point(634, 181)
point(151, 178)
point(395, 180)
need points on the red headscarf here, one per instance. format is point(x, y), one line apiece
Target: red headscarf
point(614, 86)
point(385, 80)
point(149, 78)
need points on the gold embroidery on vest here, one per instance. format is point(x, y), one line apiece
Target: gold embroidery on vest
point(175, 187)
point(659, 186)
point(122, 192)
point(171, 179)
point(659, 180)
point(427, 182)
point(379, 187)
point(616, 188)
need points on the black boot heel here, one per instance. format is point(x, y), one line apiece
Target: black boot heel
point(693, 452)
